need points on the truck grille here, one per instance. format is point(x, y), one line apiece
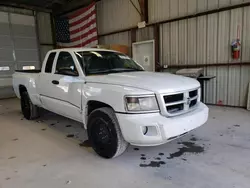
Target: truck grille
point(180, 103)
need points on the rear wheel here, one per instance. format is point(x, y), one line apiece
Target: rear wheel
point(105, 134)
point(29, 110)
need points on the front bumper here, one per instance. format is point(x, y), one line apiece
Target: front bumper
point(161, 129)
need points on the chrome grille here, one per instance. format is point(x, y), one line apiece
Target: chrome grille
point(180, 103)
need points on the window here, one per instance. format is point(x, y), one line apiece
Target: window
point(49, 64)
point(6, 68)
point(65, 65)
point(28, 67)
point(106, 62)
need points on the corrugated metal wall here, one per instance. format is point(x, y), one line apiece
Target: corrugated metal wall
point(44, 27)
point(115, 15)
point(160, 10)
point(206, 40)
point(23, 34)
point(202, 40)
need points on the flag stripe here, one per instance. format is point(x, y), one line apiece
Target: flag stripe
point(75, 27)
point(85, 44)
point(78, 42)
point(82, 16)
point(81, 29)
point(78, 29)
point(84, 35)
point(82, 11)
point(84, 30)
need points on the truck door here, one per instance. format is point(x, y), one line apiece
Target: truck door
point(61, 90)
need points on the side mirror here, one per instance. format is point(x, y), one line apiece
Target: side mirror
point(68, 72)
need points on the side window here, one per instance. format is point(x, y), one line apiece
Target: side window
point(49, 63)
point(65, 65)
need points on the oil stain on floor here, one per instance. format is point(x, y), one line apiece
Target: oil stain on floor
point(86, 144)
point(153, 164)
point(188, 147)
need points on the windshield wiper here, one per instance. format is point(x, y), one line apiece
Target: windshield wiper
point(125, 69)
point(109, 71)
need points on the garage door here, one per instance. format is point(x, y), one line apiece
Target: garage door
point(18, 48)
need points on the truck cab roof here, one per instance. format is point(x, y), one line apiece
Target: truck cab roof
point(81, 49)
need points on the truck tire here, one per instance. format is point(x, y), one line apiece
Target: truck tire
point(29, 110)
point(104, 133)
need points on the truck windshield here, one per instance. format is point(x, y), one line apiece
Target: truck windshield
point(105, 62)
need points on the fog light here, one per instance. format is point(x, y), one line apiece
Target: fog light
point(145, 130)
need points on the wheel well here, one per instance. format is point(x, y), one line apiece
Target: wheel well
point(22, 89)
point(93, 105)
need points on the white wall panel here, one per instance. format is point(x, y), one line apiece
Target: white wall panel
point(174, 8)
point(123, 38)
point(212, 30)
point(212, 4)
point(222, 85)
point(246, 36)
point(183, 8)
point(4, 17)
point(22, 19)
point(182, 39)
point(192, 41)
point(211, 92)
point(244, 84)
point(202, 40)
point(192, 6)
point(113, 15)
point(16, 10)
point(237, 1)
point(234, 86)
point(224, 3)
point(224, 50)
point(145, 34)
point(202, 5)
point(174, 54)
point(207, 40)
point(44, 28)
point(165, 44)
point(158, 10)
point(44, 49)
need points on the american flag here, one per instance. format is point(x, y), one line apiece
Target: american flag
point(77, 29)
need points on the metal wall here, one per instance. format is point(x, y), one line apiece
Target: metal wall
point(160, 10)
point(202, 40)
point(206, 40)
point(20, 43)
point(113, 15)
point(44, 28)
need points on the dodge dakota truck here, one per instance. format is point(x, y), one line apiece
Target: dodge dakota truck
point(116, 100)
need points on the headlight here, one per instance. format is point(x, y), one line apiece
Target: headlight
point(137, 104)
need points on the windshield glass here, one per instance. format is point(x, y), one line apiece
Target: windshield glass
point(105, 62)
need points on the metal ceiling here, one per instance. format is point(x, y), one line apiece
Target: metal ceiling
point(54, 6)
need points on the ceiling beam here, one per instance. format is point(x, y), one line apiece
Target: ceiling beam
point(72, 6)
point(144, 10)
point(29, 7)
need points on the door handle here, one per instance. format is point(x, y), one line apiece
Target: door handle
point(55, 82)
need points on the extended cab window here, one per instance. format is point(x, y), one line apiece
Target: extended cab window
point(65, 65)
point(49, 64)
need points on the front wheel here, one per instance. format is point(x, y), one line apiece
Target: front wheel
point(105, 134)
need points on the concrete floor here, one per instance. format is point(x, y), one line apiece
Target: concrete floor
point(39, 154)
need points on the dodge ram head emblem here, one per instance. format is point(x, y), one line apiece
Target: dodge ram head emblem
point(188, 101)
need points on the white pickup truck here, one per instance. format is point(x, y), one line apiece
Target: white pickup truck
point(115, 99)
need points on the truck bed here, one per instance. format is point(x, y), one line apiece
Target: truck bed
point(29, 71)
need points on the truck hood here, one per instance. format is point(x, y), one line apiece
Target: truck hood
point(155, 82)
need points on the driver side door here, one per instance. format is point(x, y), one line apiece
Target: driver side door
point(64, 88)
